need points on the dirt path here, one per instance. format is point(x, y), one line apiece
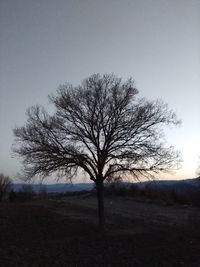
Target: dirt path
point(130, 209)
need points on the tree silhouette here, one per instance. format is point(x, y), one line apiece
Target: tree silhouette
point(100, 127)
point(5, 185)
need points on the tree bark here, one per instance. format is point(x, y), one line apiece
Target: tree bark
point(100, 199)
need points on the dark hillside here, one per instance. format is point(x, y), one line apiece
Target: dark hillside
point(64, 233)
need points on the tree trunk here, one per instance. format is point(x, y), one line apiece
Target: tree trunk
point(100, 199)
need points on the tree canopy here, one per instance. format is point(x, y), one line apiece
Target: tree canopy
point(100, 127)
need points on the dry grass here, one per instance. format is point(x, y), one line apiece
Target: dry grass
point(64, 233)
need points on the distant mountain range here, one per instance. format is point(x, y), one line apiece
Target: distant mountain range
point(56, 188)
point(182, 186)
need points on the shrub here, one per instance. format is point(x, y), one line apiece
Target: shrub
point(26, 193)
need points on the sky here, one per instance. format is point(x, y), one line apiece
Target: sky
point(45, 43)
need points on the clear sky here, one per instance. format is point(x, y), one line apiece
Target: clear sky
point(45, 43)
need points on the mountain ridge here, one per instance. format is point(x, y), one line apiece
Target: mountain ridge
point(180, 185)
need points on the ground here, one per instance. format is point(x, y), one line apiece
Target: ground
point(65, 233)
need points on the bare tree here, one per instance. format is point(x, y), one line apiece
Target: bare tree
point(100, 127)
point(5, 185)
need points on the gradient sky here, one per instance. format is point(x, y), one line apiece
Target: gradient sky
point(45, 43)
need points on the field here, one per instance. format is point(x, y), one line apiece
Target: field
point(64, 232)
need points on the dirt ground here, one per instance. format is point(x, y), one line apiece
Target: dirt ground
point(65, 233)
